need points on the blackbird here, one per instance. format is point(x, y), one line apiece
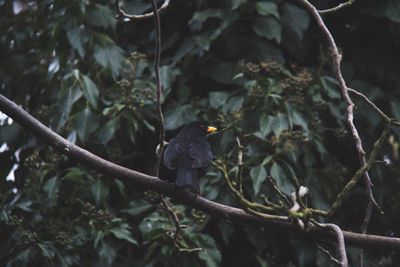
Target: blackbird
point(189, 155)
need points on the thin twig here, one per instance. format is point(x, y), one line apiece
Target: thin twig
point(174, 216)
point(369, 102)
point(364, 228)
point(336, 8)
point(278, 191)
point(239, 177)
point(328, 253)
point(161, 136)
point(122, 14)
point(160, 115)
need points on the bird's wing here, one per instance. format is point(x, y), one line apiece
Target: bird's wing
point(201, 154)
point(172, 153)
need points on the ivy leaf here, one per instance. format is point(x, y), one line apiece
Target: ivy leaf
point(107, 131)
point(51, 187)
point(77, 37)
point(269, 28)
point(90, 91)
point(101, 16)
point(258, 174)
point(209, 254)
point(85, 123)
point(123, 233)
point(67, 98)
point(217, 99)
point(267, 9)
point(99, 191)
point(107, 254)
point(295, 19)
point(178, 116)
point(281, 178)
point(109, 56)
point(136, 208)
point(279, 123)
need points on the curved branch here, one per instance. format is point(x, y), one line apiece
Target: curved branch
point(145, 181)
point(339, 239)
point(124, 15)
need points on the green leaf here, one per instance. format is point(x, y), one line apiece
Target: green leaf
point(280, 123)
point(51, 187)
point(136, 208)
point(389, 9)
point(295, 19)
point(123, 233)
point(258, 175)
point(77, 37)
point(267, 8)
point(99, 191)
point(109, 56)
point(201, 16)
point(210, 253)
point(281, 179)
point(90, 91)
point(265, 124)
point(101, 16)
point(99, 237)
point(107, 254)
point(217, 99)
point(178, 116)
point(237, 3)
point(67, 98)
point(85, 123)
point(107, 131)
point(395, 109)
point(269, 28)
point(224, 72)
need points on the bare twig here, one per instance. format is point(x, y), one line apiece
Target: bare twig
point(278, 191)
point(240, 165)
point(336, 8)
point(339, 238)
point(161, 136)
point(370, 103)
point(328, 253)
point(160, 115)
point(141, 180)
point(364, 228)
point(122, 14)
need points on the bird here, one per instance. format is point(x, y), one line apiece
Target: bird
point(188, 155)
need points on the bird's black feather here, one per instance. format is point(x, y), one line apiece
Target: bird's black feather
point(189, 155)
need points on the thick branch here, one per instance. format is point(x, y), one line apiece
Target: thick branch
point(145, 181)
point(340, 241)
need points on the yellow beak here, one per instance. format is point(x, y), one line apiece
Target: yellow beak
point(211, 129)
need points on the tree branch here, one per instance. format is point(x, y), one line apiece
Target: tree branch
point(336, 8)
point(340, 241)
point(145, 181)
point(336, 59)
point(124, 15)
